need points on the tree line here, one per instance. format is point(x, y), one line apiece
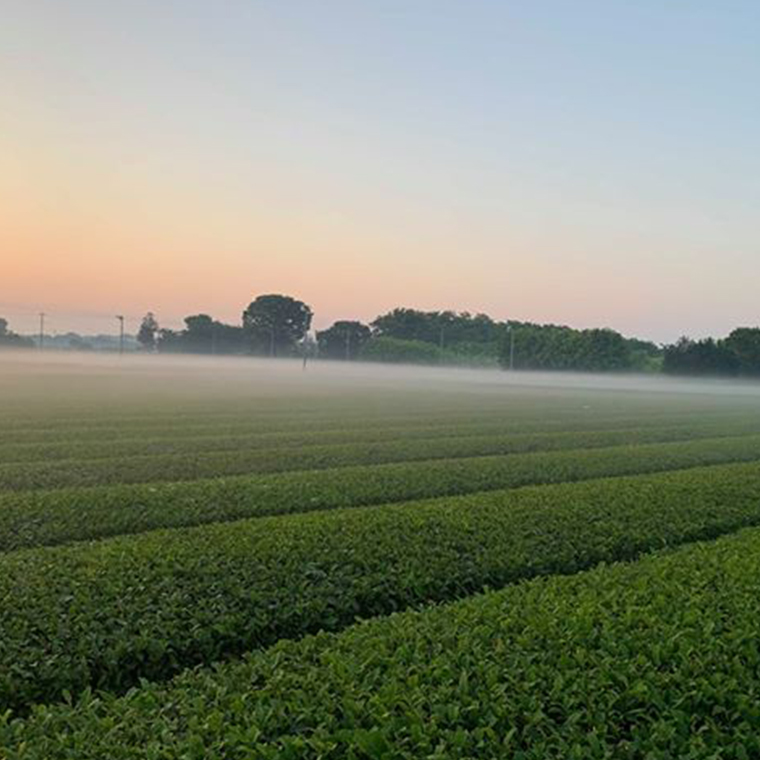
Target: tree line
point(278, 325)
point(737, 355)
point(10, 339)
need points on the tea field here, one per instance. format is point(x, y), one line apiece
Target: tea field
point(242, 559)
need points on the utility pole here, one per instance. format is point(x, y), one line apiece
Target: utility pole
point(42, 329)
point(121, 333)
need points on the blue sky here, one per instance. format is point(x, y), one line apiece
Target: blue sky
point(586, 163)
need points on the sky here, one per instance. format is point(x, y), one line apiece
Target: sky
point(583, 162)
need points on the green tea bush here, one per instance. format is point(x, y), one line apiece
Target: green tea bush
point(54, 517)
point(206, 464)
point(657, 659)
point(108, 614)
point(162, 444)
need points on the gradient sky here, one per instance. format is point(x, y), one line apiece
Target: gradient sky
point(593, 163)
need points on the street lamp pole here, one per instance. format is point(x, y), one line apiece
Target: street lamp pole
point(121, 333)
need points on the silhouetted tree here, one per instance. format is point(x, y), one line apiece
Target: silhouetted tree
point(343, 340)
point(199, 334)
point(744, 343)
point(602, 350)
point(148, 331)
point(444, 328)
point(276, 323)
point(702, 357)
point(9, 339)
point(203, 335)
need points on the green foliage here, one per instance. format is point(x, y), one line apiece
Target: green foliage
point(738, 354)
point(153, 468)
point(442, 328)
point(398, 351)
point(149, 605)
point(34, 518)
point(275, 324)
point(656, 659)
point(344, 340)
point(701, 357)
point(461, 339)
point(744, 343)
point(548, 347)
point(456, 483)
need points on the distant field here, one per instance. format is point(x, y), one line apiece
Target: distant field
point(174, 533)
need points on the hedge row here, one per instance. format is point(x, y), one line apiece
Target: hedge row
point(166, 443)
point(189, 423)
point(110, 613)
point(38, 518)
point(350, 413)
point(286, 442)
point(174, 467)
point(657, 659)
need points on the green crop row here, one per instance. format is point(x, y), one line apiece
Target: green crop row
point(657, 659)
point(110, 613)
point(288, 441)
point(167, 444)
point(174, 467)
point(319, 413)
point(38, 518)
point(514, 418)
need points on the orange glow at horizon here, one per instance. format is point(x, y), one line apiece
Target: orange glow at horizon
point(290, 153)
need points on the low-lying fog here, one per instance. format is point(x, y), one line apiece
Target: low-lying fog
point(55, 375)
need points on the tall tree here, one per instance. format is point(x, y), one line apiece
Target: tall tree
point(146, 336)
point(701, 357)
point(602, 350)
point(406, 324)
point(343, 340)
point(276, 323)
point(744, 343)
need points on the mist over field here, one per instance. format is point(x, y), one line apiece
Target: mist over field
point(379, 381)
point(163, 512)
point(37, 384)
